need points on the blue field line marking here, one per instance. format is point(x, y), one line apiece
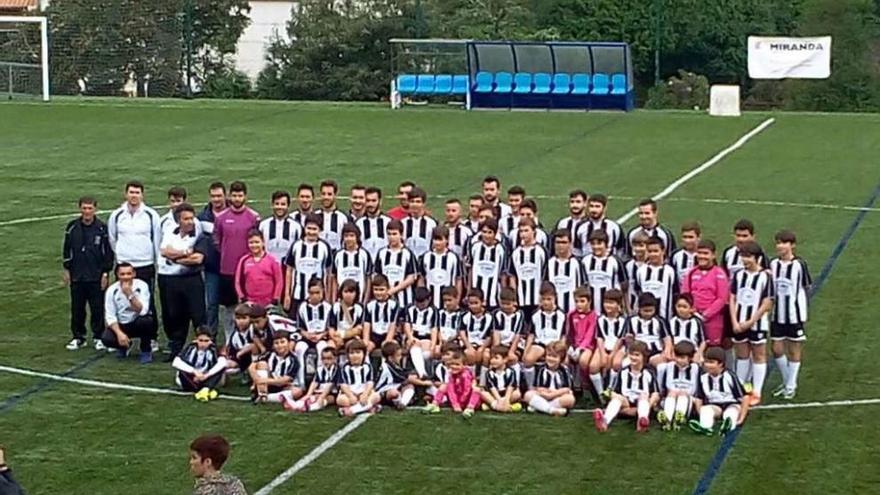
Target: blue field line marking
point(727, 445)
point(15, 399)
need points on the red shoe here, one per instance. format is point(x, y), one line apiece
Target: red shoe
point(642, 425)
point(599, 420)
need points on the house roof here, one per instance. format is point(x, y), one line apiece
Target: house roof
point(18, 4)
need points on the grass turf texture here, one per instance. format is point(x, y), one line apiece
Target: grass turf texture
point(71, 439)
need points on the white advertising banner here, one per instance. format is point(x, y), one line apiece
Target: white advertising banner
point(781, 58)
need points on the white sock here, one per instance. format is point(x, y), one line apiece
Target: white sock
point(359, 408)
point(643, 408)
point(276, 397)
point(707, 417)
point(782, 364)
point(669, 407)
point(612, 410)
point(431, 390)
point(227, 322)
point(317, 405)
point(297, 404)
point(612, 378)
point(683, 405)
point(406, 396)
point(300, 350)
point(729, 359)
point(539, 403)
point(529, 375)
point(759, 372)
point(732, 414)
point(742, 369)
point(793, 368)
point(418, 360)
point(596, 378)
point(483, 371)
point(555, 404)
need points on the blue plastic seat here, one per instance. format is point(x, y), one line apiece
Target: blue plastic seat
point(443, 84)
point(600, 84)
point(406, 83)
point(523, 82)
point(618, 84)
point(460, 84)
point(580, 84)
point(483, 82)
point(425, 84)
point(561, 84)
point(503, 82)
point(542, 83)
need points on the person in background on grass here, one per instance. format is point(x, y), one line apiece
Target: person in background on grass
point(127, 314)
point(597, 219)
point(709, 285)
point(200, 367)
point(577, 214)
point(635, 393)
point(459, 232)
point(216, 204)
point(731, 260)
point(551, 391)
point(373, 224)
point(332, 219)
point(793, 282)
point(649, 224)
point(356, 385)
point(460, 389)
point(515, 197)
point(475, 202)
point(88, 260)
point(401, 211)
point(491, 189)
point(719, 394)
point(135, 237)
point(207, 455)
point(168, 222)
point(358, 200)
point(685, 257)
point(502, 392)
point(280, 230)
point(231, 228)
point(305, 197)
point(258, 277)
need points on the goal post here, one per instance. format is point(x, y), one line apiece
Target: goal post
point(18, 55)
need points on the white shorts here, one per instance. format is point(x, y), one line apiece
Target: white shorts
point(390, 386)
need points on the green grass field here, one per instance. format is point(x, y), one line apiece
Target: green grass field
point(66, 438)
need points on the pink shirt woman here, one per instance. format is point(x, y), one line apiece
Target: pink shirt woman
point(709, 284)
point(258, 277)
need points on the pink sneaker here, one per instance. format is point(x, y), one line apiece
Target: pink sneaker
point(642, 424)
point(599, 420)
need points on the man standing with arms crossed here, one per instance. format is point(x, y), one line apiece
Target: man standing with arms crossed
point(88, 260)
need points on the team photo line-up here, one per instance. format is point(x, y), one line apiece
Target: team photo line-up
point(486, 310)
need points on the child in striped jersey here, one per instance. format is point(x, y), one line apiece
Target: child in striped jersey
point(547, 326)
point(650, 329)
point(241, 349)
point(685, 326)
point(420, 329)
point(460, 388)
point(312, 321)
point(476, 330)
point(679, 387)
point(346, 316)
point(610, 334)
point(394, 384)
point(639, 259)
point(792, 282)
point(719, 394)
point(277, 374)
point(448, 320)
point(635, 392)
point(440, 267)
point(551, 391)
point(382, 314)
point(685, 257)
point(351, 263)
point(357, 393)
point(510, 327)
point(320, 393)
point(501, 392)
point(398, 264)
point(657, 277)
point(200, 367)
point(440, 371)
point(582, 338)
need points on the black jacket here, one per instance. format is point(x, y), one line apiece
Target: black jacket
point(87, 252)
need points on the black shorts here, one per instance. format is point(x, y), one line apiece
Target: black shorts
point(228, 296)
point(378, 339)
point(754, 337)
point(792, 332)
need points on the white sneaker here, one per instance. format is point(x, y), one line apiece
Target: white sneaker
point(99, 346)
point(154, 346)
point(74, 344)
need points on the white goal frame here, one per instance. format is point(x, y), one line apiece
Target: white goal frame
point(44, 44)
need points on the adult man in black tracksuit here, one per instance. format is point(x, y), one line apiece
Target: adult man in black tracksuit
point(88, 260)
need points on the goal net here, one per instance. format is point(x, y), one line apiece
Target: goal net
point(24, 57)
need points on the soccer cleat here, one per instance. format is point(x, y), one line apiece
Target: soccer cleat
point(530, 409)
point(467, 413)
point(755, 400)
point(485, 407)
point(99, 346)
point(154, 346)
point(696, 427)
point(599, 421)
point(121, 353)
point(213, 394)
point(642, 424)
point(75, 344)
point(665, 424)
point(678, 420)
point(376, 409)
point(146, 357)
point(747, 387)
point(559, 412)
point(431, 409)
point(726, 427)
point(516, 407)
point(606, 394)
point(779, 391)
point(789, 394)
point(202, 395)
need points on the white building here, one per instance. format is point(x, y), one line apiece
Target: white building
point(269, 20)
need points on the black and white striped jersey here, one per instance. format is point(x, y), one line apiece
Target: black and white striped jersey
point(553, 379)
point(327, 375)
point(508, 326)
point(632, 384)
point(690, 330)
point(792, 280)
point(421, 321)
point(527, 265)
point(199, 360)
point(662, 281)
point(279, 234)
point(477, 329)
point(602, 275)
point(617, 243)
point(500, 380)
point(548, 326)
point(396, 265)
point(240, 339)
point(652, 332)
point(681, 379)
point(571, 225)
point(448, 323)
point(374, 233)
point(344, 319)
point(284, 366)
point(566, 275)
point(541, 238)
point(331, 230)
point(610, 330)
point(358, 377)
point(682, 261)
point(440, 372)
point(381, 315)
point(630, 268)
point(722, 390)
point(391, 375)
point(308, 259)
point(440, 270)
point(659, 231)
point(313, 318)
point(299, 216)
point(488, 263)
point(749, 289)
point(732, 262)
point(459, 237)
point(507, 224)
point(353, 265)
point(418, 232)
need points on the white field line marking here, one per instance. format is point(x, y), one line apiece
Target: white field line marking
point(315, 453)
point(712, 161)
